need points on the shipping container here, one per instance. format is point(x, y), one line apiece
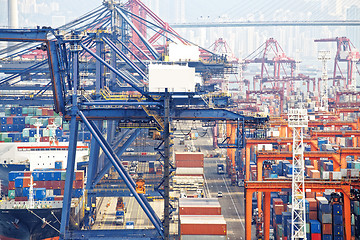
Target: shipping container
point(202, 225)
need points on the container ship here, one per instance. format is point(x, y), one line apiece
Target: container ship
point(33, 205)
point(33, 155)
point(35, 138)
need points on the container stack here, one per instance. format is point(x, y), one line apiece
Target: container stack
point(48, 185)
point(200, 218)
point(338, 225)
point(189, 173)
point(278, 209)
point(18, 125)
point(189, 164)
point(355, 220)
point(325, 217)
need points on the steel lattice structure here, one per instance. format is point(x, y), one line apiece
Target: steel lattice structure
point(298, 121)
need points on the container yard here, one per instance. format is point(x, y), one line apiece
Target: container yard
point(138, 119)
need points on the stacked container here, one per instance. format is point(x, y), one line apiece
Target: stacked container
point(189, 164)
point(325, 217)
point(338, 225)
point(47, 184)
point(200, 218)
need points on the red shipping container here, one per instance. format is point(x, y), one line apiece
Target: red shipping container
point(316, 236)
point(278, 201)
point(279, 209)
point(11, 185)
point(189, 156)
point(17, 199)
point(27, 174)
point(62, 191)
point(44, 139)
point(313, 215)
point(44, 111)
point(78, 184)
point(326, 228)
point(312, 204)
point(310, 194)
point(48, 184)
point(202, 225)
point(56, 184)
point(200, 210)
point(58, 198)
point(189, 163)
point(62, 186)
point(39, 184)
point(9, 120)
point(151, 170)
point(79, 175)
point(51, 121)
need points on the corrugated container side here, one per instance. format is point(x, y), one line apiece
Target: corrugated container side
point(197, 210)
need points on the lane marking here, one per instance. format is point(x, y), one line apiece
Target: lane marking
point(232, 200)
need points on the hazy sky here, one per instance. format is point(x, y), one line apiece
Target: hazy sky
point(39, 12)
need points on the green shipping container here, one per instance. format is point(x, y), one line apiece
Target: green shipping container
point(66, 127)
point(7, 111)
point(279, 229)
point(7, 139)
point(27, 119)
point(44, 122)
point(63, 175)
point(356, 165)
point(11, 194)
point(38, 112)
point(24, 110)
point(307, 227)
point(58, 121)
point(26, 132)
point(33, 121)
point(32, 139)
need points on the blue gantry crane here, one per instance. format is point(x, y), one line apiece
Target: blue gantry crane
point(106, 30)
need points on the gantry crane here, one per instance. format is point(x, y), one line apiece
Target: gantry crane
point(298, 121)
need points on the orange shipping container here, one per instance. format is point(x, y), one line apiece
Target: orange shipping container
point(314, 174)
point(79, 175)
point(189, 163)
point(326, 228)
point(189, 156)
point(202, 225)
point(200, 210)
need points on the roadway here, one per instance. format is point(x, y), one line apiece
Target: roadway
point(106, 214)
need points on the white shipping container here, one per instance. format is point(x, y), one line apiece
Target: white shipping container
point(173, 77)
point(325, 175)
point(344, 173)
point(336, 175)
point(265, 147)
point(181, 52)
point(354, 172)
point(189, 171)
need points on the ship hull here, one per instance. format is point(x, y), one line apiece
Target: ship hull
point(24, 224)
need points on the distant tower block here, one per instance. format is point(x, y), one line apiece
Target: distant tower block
point(13, 19)
point(13, 14)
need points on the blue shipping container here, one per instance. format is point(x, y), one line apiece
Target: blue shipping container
point(326, 237)
point(18, 192)
point(14, 174)
point(57, 192)
point(315, 226)
point(324, 207)
point(338, 219)
point(337, 209)
point(338, 230)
